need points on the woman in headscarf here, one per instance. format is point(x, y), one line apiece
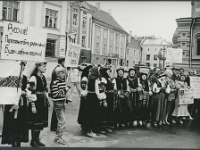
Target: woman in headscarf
point(181, 110)
point(171, 95)
point(144, 98)
point(107, 106)
point(132, 83)
point(38, 107)
point(84, 92)
point(92, 102)
point(123, 104)
point(15, 128)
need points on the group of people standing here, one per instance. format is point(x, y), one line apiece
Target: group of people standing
point(105, 102)
point(140, 99)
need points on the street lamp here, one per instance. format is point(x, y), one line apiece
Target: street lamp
point(161, 57)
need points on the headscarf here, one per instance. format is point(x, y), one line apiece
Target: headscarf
point(103, 73)
point(85, 71)
point(144, 82)
point(93, 73)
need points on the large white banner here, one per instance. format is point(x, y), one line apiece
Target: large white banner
point(195, 84)
point(21, 42)
point(174, 55)
point(72, 55)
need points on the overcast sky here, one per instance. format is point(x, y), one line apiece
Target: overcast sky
point(148, 18)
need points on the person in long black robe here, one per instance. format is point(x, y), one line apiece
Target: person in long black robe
point(15, 130)
point(84, 82)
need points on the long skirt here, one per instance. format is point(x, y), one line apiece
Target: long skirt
point(106, 114)
point(181, 111)
point(91, 112)
point(162, 104)
point(15, 130)
point(122, 110)
point(39, 120)
point(154, 106)
point(81, 110)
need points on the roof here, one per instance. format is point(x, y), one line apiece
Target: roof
point(155, 41)
point(134, 43)
point(106, 18)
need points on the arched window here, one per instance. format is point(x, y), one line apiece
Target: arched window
point(197, 44)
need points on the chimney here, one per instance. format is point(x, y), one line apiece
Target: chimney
point(109, 11)
point(130, 35)
point(98, 6)
point(136, 37)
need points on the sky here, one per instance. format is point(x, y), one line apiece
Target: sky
point(148, 18)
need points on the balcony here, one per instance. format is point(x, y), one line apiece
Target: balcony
point(113, 55)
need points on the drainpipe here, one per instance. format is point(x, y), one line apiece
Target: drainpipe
point(191, 42)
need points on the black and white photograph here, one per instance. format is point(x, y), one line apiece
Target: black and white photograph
point(100, 74)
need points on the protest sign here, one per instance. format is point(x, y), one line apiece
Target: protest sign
point(195, 84)
point(72, 55)
point(174, 55)
point(21, 42)
point(144, 70)
point(186, 96)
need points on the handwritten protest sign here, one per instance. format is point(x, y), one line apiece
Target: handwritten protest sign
point(21, 42)
point(186, 96)
point(72, 55)
point(195, 84)
point(174, 55)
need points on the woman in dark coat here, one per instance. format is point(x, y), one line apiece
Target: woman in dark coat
point(38, 107)
point(84, 84)
point(106, 116)
point(92, 102)
point(15, 128)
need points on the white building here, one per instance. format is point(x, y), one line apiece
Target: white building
point(150, 50)
point(48, 15)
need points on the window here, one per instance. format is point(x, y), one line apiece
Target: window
point(84, 25)
point(83, 41)
point(76, 10)
point(155, 49)
point(105, 35)
point(198, 46)
point(111, 42)
point(75, 19)
point(133, 62)
point(127, 63)
point(148, 64)
point(10, 10)
point(183, 44)
point(155, 65)
point(183, 53)
point(134, 52)
point(50, 48)
point(97, 39)
point(183, 34)
point(148, 49)
point(147, 57)
point(127, 51)
point(155, 57)
point(51, 18)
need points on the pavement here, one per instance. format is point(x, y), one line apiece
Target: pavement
point(168, 136)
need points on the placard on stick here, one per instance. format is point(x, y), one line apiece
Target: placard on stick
point(195, 84)
point(21, 42)
point(72, 55)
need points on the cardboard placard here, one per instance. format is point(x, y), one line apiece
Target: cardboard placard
point(195, 84)
point(186, 96)
point(21, 42)
point(72, 55)
point(174, 55)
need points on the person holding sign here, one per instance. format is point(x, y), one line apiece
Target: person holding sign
point(15, 124)
point(181, 110)
point(38, 107)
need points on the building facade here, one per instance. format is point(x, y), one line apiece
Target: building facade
point(47, 15)
point(133, 51)
point(108, 38)
point(80, 25)
point(187, 37)
point(150, 49)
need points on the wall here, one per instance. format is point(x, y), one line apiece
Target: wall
point(133, 58)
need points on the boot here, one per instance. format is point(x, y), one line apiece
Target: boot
point(37, 139)
point(34, 143)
